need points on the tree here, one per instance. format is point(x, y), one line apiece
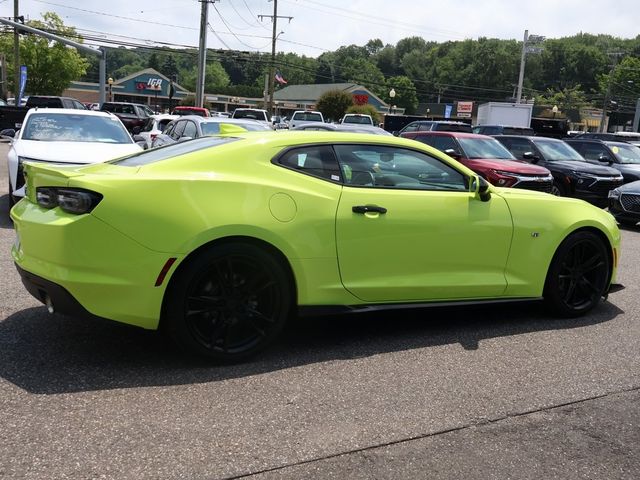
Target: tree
point(363, 72)
point(405, 93)
point(215, 78)
point(51, 66)
point(169, 67)
point(154, 62)
point(334, 103)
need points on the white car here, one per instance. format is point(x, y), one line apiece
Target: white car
point(305, 116)
point(65, 136)
point(357, 119)
point(257, 114)
point(154, 127)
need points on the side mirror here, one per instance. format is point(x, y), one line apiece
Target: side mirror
point(481, 188)
point(184, 139)
point(453, 153)
point(395, 133)
point(8, 132)
point(605, 159)
point(531, 156)
point(136, 130)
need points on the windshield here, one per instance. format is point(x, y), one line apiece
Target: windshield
point(629, 154)
point(252, 114)
point(68, 127)
point(558, 151)
point(307, 117)
point(360, 119)
point(484, 148)
point(170, 151)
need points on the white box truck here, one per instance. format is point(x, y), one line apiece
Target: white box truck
point(508, 114)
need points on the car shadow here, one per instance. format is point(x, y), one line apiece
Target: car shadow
point(5, 220)
point(52, 354)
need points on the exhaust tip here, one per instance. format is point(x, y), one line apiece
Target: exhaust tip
point(49, 304)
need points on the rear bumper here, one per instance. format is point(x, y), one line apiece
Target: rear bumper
point(55, 297)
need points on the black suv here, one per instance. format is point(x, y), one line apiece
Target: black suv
point(620, 155)
point(436, 125)
point(132, 115)
point(573, 176)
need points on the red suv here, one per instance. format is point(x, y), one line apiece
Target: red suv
point(488, 158)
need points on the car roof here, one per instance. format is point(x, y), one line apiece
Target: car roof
point(71, 111)
point(533, 138)
point(444, 133)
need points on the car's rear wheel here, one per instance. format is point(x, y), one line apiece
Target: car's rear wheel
point(558, 189)
point(578, 275)
point(229, 302)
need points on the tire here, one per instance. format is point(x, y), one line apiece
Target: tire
point(578, 275)
point(228, 303)
point(558, 189)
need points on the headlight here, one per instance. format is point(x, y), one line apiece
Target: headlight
point(71, 200)
point(583, 175)
point(615, 194)
point(503, 179)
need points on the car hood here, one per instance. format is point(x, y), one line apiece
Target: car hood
point(514, 166)
point(632, 187)
point(73, 152)
point(579, 166)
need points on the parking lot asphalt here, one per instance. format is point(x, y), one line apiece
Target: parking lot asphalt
point(491, 392)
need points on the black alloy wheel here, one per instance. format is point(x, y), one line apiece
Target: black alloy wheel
point(578, 275)
point(229, 302)
point(558, 189)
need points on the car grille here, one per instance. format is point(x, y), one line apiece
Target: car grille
point(535, 185)
point(602, 187)
point(630, 202)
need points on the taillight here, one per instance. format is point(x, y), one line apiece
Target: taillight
point(71, 200)
point(153, 136)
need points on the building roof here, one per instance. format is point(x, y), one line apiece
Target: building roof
point(311, 92)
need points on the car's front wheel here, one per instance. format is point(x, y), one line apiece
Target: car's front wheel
point(558, 189)
point(578, 275)
point(229, 302)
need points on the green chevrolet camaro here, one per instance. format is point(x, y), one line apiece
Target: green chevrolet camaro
point(219, 241)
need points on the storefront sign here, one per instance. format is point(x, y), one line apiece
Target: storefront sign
point(464, 107)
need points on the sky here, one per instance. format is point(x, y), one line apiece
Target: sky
point(325, 25)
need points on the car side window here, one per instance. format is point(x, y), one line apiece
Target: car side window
point(177, 130)
point(593, 151)
point(442, 143)
point(519, 146)
point(376, 166)
point(412, 127)
point(67, 103)
point(190, 130)
point(316, 160)
point(78, 105)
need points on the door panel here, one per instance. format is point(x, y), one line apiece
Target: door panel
point(412, 232)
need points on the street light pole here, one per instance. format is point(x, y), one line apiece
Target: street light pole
point(392, 95)
point(16, 53)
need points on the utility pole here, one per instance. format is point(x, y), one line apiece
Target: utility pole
point(528, 46)
point(202, 52)
point(607, 94)
point(16, 53)
point(272, 67)
point(523, 57)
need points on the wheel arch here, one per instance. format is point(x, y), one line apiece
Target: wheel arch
point(600, 234)
point(267, 247)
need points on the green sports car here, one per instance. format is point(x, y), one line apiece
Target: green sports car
point(218, 241)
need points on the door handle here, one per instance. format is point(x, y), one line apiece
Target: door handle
point(367, 209)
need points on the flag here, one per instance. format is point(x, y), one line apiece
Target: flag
point(280, 79)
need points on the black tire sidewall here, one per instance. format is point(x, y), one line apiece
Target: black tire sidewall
point(173, 321)
point(551, 289)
